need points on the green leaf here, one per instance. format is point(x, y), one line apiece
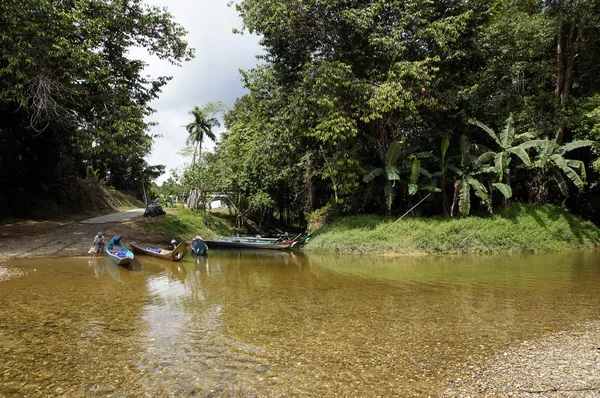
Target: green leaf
point(574, 145)
point(444, 147)
point(504, 189)
point(390, 193)
point(484, 159)
point(488, 130)
point(371, 175)
point(393, 153)
point(522, 154)
point(464, 199)
point(562, 184)
point(392, 173)
point(413, 189)
point(415, 171)
point(508, 134)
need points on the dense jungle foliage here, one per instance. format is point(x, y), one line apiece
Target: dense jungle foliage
point(73, 102)
point(370, 106)
point(357, 106)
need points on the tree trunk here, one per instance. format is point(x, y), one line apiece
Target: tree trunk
point(455, 199)
point(568, 81)
point(560, 63)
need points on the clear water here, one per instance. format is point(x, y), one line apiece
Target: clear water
point(278, 323)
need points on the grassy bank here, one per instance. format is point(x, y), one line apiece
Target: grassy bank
point(185, 224)
point(518, 229)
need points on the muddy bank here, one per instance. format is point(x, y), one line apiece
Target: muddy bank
point(66, 238)
point(564, 364)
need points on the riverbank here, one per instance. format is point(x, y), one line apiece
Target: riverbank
point(557, 365)
point(71, 237)
point(518, 229)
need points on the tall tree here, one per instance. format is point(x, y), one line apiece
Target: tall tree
point(199, 128)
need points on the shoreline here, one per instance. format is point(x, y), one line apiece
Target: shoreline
point(52, 239)
point(559, 364)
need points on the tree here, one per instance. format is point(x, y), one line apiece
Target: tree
point(391, 173)
point(551, 161)
point(71, 96)
point(200, 127)
point(510, 145)
point(468, 172)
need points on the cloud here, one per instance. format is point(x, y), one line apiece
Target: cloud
point(212, 76)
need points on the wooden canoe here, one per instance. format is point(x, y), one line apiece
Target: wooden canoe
point(243, 244)
point(172, 255)
point(118, 253)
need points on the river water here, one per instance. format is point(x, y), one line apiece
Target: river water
point(278, 323)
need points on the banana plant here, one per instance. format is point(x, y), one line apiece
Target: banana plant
point(509, 144)
point(430, 180)
point(467, 173)
point(550, 158)
point(390, 171)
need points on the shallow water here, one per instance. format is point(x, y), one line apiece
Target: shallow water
point(278, 323)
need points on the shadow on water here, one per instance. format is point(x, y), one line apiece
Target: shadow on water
point(249, 323)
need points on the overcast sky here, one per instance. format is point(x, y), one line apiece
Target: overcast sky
point(212, 76)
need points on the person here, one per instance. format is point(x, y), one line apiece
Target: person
point(173, 244)
point(198, 246)
point(98, 244)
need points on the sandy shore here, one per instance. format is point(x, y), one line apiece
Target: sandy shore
point(65, 238)
point(564, 364)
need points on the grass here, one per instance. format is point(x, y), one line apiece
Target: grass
point(518, 229)
point(186, 224)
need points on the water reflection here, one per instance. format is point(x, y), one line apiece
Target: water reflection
point(278, 323)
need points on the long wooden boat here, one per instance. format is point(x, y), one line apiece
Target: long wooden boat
point(118, 253)
point(243, 244)
point(258, 239)
point(172, 255)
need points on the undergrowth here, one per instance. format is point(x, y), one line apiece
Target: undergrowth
point(520, 228)
point(186, 224)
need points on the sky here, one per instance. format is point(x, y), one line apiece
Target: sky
point(213, 75)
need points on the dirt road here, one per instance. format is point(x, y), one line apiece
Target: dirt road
point(69, 238)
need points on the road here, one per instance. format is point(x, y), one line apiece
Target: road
point(115, 217)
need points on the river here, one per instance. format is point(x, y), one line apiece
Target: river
point(278, 323)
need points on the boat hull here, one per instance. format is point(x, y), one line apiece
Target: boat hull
point(171, 255)
point(230, 244)
point(118, 253)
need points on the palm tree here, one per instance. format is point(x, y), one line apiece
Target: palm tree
point(201, 126)
point(550, 159)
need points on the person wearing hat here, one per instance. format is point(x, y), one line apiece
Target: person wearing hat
point(99, 243)
point(199, 248)
point(173, 244)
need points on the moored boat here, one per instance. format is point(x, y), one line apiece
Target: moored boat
point(234, 243)
point(172, 255)
point(118, 253)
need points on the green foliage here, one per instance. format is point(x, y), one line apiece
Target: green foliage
point(186, 224)
point(71, 96)
point(390, 172)
point(517, 229)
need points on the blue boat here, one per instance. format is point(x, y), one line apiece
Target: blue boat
point(118, 253)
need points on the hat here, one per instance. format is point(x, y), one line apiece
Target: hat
point(198, 237)
point(100, 233)
point(173, 241)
